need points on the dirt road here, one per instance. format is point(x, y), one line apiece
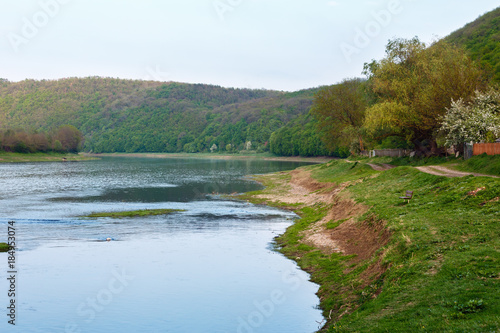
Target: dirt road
point(443, 171)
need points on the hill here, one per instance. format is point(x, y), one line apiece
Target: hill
point(482, 39)
point(144, 116)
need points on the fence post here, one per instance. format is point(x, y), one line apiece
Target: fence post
point(468, 150)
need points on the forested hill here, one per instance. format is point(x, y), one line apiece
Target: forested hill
point(482, 39)
point(144, 116)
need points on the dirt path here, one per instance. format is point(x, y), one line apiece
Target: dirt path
point(436, 170)
point(443, 171)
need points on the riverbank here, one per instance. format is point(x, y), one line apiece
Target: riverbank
point(387, 265)
point(260, 156)
point(6, 157)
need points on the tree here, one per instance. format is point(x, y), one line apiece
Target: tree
point(414, 85)
point(340, 111)
point(473, 121)
point(70, 138)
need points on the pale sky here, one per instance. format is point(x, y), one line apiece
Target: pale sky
point(273, 44)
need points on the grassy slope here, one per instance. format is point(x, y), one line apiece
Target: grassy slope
point(483, 164)
point(441, 263)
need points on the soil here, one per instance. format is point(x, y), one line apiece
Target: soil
point(351, 237)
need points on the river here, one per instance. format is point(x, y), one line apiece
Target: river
point(209, 268)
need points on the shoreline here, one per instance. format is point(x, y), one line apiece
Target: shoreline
point(8, 157)
point(379, 260)
point(317, 204)
point(266, 157)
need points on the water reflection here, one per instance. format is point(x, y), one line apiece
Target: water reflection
point(206, 269)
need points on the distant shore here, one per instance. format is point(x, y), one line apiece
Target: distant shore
point(262, 156)
point(7, 157)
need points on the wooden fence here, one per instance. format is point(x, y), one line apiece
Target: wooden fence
point(488, 148)
point(385, 152)
point(389, 152)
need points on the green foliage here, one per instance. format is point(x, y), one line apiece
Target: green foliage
point(481, 39)
point(414, 84)
point(142, 116)
point(394, 142)
point(340, 111)
point(300, 137)
point(471, 306)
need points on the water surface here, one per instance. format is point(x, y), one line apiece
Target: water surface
point(210, 268)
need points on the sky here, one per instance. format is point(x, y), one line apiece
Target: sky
point(271, 44)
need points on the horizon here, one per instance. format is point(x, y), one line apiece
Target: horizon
point(162, 82)
point(293, 47)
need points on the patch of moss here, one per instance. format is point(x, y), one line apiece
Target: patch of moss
point(136, 213)
point(4, 247)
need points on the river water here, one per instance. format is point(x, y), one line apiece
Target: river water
point(210, 268)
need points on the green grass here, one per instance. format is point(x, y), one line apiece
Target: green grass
point(444, 252)
point(481, 164)
point(441, 263)
point(4, 247)
point(489, 165)
point(407, 161)
point(6, 157)
point(136, 213)
point(339, 171)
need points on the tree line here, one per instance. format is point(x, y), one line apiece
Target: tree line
point(66, 139)
point(423, 97)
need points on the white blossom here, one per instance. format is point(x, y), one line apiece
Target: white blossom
point(465, 122)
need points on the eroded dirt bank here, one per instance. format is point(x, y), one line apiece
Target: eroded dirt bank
point(344, 229)
point(349, 237)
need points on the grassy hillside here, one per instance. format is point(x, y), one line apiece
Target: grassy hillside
point(482, 39)
point(385, 265)
point(144, 116)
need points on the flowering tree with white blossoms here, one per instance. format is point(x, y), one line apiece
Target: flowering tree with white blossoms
point(473, 121)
